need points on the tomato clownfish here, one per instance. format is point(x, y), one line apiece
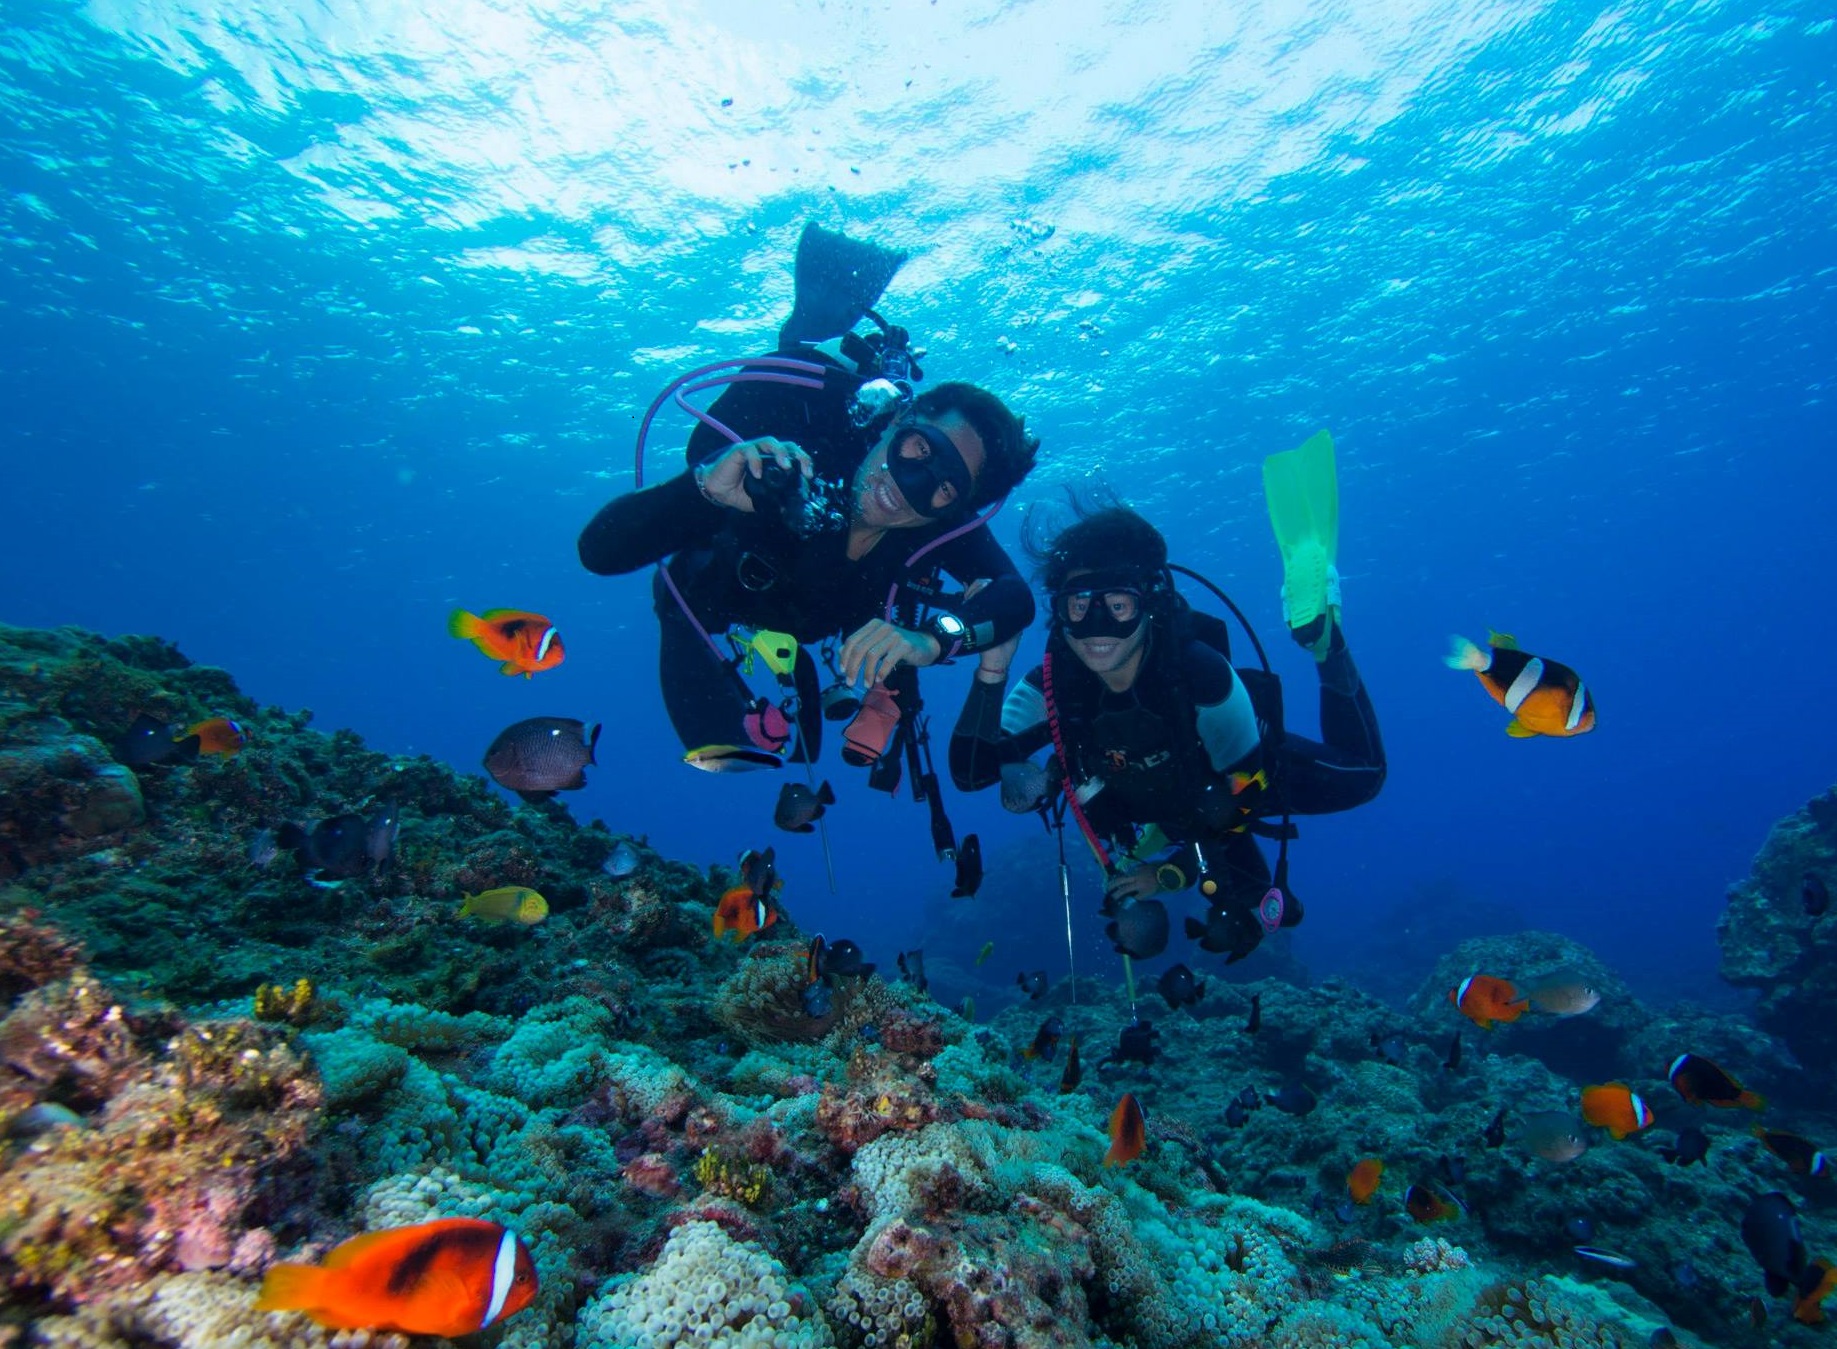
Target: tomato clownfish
point(742, 911)
point(449, 1277)
point(1617, 1108)
point(522, 641)
point(1484, 999)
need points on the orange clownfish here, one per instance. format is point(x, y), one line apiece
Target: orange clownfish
point(743, 912)
point(1544, 697)
point(1128, 1132)
point(449, 1277)
point(1362, 1180)
point(1484, 1000)
point(1617, 1108)
point(1808, 1307)
point(524, 642)
point(219, 735)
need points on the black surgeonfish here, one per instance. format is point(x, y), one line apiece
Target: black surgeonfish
point(539, 756)
point(149, 740)
point(1140, 930)
point(1135, 1044)
point(969, 868)
point(344, 846)
point(1180, 987)
point(1770, 1231)
point(844, 958)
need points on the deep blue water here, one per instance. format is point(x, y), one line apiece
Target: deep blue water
point(319, 321)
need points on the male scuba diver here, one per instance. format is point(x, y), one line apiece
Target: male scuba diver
point(1171, 759)
point(821, 497)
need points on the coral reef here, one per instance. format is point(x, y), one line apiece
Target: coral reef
point(1773, 945)
point(178, 1147)
point(208, 1064)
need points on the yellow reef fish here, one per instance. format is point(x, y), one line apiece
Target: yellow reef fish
point(507, 903)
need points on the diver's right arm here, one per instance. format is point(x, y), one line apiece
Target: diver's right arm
point(687, 511)
point(643, 527)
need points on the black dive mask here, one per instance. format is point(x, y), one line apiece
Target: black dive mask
point(919, 478)
point(1101, 604)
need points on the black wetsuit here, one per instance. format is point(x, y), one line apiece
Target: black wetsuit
point(1167, 750)
point(738, 568)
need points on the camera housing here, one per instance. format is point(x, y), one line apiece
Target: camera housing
point(806, 507)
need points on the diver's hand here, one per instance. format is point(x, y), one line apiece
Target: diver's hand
point(1133, 885)
point(992, 665)
point(874, 650)
point(723, 480)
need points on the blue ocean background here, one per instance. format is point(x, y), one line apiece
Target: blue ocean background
point(319, 321)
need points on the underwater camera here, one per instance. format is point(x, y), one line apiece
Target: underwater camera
point(840, 702)
point(807, 508)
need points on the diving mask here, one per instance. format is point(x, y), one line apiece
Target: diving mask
point(922, 460)
point(1098, 605)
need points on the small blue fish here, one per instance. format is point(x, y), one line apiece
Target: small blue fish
point(623, 861)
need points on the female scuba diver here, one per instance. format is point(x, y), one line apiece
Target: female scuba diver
point(808, 506)
point(1170, 762)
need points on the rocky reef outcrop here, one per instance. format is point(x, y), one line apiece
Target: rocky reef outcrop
point(1778, 939)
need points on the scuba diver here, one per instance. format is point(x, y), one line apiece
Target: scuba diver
point(821, 498)
point(1171, 760)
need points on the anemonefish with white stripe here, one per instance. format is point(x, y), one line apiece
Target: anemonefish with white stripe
point(1545, 697)
point(448, 1277)
point(526, 643)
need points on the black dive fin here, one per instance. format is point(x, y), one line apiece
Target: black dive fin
point(838, 280)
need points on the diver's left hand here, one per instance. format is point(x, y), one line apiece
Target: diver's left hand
point(1133, 885)
point(874, 650)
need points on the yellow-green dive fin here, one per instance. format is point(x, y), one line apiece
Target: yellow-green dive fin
point(1302, 488)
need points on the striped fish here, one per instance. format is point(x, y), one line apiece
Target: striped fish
point(1545, 697)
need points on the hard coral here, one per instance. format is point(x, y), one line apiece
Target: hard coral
point(903, 1033)
point(33, 954)
point(857, 1114)
point(1000, 1279)
point(297, 1006)
point(189, 1150)
point(73, 1042)
point(729, 1177)
point(651, 1173)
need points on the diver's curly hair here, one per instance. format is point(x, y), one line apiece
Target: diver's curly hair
point(1104, 534)
point(1009, 448)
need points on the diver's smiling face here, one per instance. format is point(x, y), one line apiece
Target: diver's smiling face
point(879, 504)
point(1115, 659)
